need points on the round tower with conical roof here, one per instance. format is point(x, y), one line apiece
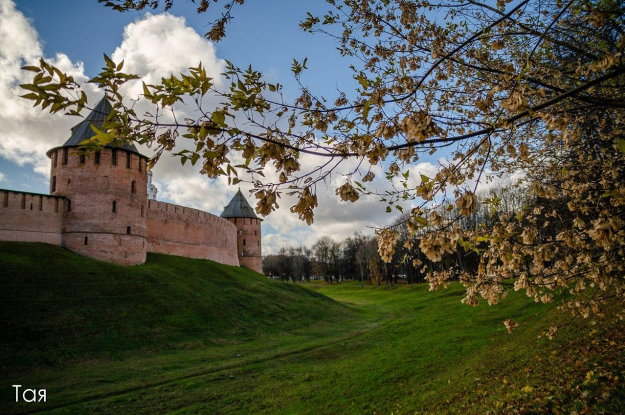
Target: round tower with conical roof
point(249, 244)
point(106, 195)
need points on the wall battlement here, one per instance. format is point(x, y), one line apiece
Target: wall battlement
point(183, 231)
point(181, 210)
point(36, 202)
point(31, 217)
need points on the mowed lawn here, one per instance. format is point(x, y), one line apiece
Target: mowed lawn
point(189, 336)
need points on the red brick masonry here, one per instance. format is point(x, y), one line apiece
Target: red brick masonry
point(100, 209)
point(29, 217)
point(182, 231)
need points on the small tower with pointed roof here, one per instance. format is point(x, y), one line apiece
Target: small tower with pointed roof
point(105, 195)
point(249, 248)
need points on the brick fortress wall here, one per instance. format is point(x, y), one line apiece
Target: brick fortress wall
point(192, 233)
point(98, 207)
point(30, 217)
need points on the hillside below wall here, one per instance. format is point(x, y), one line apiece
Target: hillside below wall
point(192, 233)
point(30, 217)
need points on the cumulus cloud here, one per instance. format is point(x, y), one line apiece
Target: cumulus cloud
point(195, 190)
point(27, 133)
point(160, 45)
point(273, 242)
point(2, 178)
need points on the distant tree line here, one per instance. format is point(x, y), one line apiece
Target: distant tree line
point(357, 257)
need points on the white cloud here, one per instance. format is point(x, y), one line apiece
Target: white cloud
point(2, 178)
point(160, 45)
point(194, 190)
point(272, 243)
point(27, 133)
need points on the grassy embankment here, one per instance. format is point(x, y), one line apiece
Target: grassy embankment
point(192, 336)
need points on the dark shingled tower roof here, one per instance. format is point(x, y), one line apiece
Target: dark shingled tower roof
point(82, 131)
point(239, 208)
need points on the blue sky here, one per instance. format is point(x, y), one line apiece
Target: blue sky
point(265, 34)
point(74, 34)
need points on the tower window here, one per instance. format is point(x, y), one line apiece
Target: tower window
point(69, 205)
point(128, 159)
point(142, 212)
point(82, 159)
point(133, 187)
point(242, 253)
point(255, 233)
point(86, 240)
point(244, 221)
point(114, 158)
point(65, 156)
point(96, 158)
point(114, 206)
point(54, 183)
point(55, 159)
point(244, 242)
point(128, 230)
point(258, 243)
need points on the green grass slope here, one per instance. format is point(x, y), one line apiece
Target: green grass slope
point(56, 305)
point(194, 337)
